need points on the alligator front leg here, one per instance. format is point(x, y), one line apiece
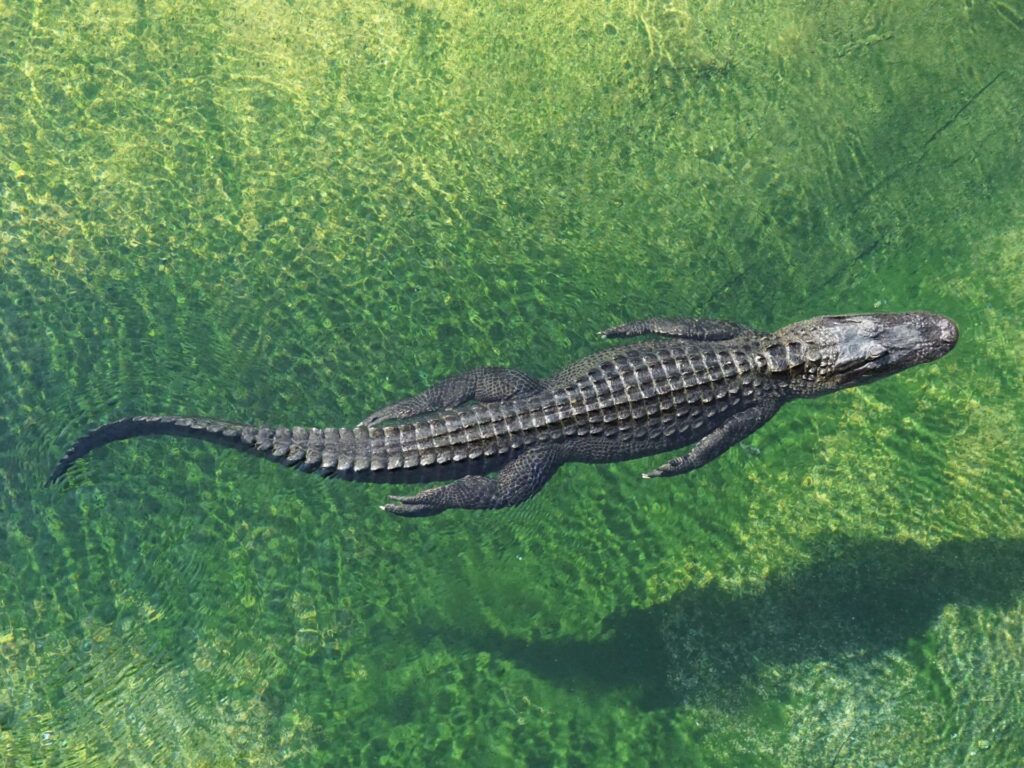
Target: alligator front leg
point(485, 385)
point(713, 445)
point(520, 479)
point(695, 328)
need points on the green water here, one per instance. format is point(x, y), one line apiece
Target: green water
point(295, 212)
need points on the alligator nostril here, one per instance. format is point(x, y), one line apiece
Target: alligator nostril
point(948, 332)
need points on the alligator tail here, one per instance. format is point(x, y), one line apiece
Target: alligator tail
point(310, 449)
point(367, 454)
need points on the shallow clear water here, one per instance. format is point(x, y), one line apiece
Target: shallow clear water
point(297, 212)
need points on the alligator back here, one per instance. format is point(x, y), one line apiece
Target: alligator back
point(641, 397)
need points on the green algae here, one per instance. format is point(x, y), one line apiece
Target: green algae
point(295, 212)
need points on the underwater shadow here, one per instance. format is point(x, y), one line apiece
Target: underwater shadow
point(857, 600)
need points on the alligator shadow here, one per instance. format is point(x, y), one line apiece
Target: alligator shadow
point(857, 600)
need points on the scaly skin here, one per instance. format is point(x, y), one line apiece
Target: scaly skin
point(702, 382)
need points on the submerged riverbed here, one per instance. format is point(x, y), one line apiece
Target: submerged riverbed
point(295, 213)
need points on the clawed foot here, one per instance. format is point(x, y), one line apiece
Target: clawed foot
point(410, 506)
point(675, 467)
point(654, 473)
point(614, 333)
point(399, 410)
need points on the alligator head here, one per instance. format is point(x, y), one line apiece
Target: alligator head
point(836, 352)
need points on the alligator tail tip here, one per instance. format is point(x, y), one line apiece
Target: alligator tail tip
point(57, 473)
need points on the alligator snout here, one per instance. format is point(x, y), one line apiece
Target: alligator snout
point(922, 336)
point(947, 330)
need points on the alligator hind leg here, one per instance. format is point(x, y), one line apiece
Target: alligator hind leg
point(695, 328)
point(713, 445)
point(485, 385)
point(519, 480)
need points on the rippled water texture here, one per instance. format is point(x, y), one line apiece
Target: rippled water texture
point(296, 212)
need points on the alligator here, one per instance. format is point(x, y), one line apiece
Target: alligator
point(701, 382)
